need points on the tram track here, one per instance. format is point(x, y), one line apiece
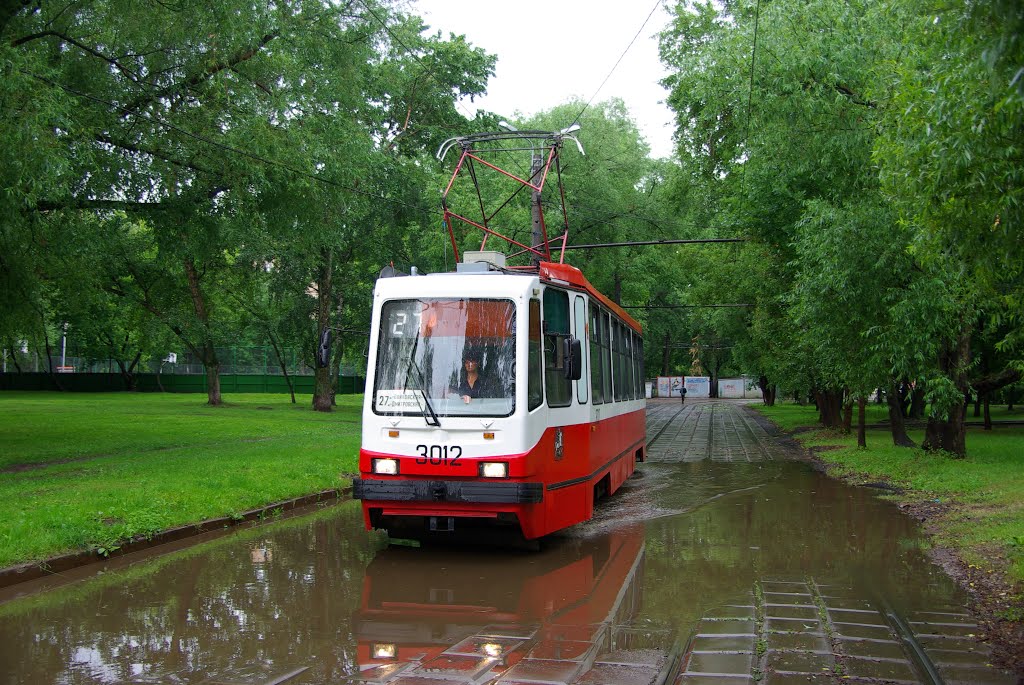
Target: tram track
point(665, 425)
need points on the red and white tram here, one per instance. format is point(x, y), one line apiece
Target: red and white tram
point(497, 396)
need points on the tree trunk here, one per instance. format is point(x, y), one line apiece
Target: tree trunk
point(977, 405)
point(49, 360)
point(213, 383)
point(896, 425)
point(128, 375)
point(847, 415)
point(916, 403)
point(988, 415)
point(322, 395)
point(209, 352)
point(767, 391)
point(830, 407)
point(903, 391)
point(950, 434)
point(283, 365)
point(862, 440)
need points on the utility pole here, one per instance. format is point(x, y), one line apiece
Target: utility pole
point(537, 235)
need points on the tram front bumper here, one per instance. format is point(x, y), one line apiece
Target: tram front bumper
point(468, 492)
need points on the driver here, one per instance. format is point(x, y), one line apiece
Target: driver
point(472, 383)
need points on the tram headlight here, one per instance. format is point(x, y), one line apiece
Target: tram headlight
point(387, 467)
point(494, 469)
point(384, 650)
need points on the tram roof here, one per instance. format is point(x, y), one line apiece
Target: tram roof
point(551, 272)
point(554, 272)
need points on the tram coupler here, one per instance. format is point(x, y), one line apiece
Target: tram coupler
point(442, 524)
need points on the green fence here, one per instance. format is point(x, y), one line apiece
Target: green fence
point(152, 382)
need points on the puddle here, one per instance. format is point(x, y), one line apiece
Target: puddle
point(715, 565)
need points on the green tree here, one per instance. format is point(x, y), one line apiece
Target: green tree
point(197, 121)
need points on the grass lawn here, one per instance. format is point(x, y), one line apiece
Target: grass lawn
point(986, 523)
point(80, 471)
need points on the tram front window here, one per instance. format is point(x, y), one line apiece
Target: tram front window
point(446, 357)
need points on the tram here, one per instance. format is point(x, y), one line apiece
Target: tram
point(498, 396)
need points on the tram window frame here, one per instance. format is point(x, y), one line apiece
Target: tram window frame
point(556, 312)
point(580, 324)
point(606, 355)
point(534, 358)
point(596, 369)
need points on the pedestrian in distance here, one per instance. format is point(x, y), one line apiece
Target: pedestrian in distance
point(682, 394)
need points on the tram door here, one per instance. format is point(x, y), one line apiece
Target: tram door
point(569, 498)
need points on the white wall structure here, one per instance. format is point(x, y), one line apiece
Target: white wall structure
point(744, 387)
point(698, 386)
point(668, 386)
point(731, 388)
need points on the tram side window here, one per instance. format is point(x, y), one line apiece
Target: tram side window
point(556, 328)
point(596, 382)
point(638, 366)
point(606, 356)
point(535, 383)
point(627, 337)
point(580, 322)
point(620, 365)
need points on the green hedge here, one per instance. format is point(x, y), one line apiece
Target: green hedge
point(149, 382)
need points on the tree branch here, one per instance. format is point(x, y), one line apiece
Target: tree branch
point(130, 147)
point(81, 46)
point(996, 381)
point(51, 206)
point(210, 71)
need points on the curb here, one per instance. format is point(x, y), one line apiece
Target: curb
point(35, 570)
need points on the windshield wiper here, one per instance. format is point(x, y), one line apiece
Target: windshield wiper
point(432, 420)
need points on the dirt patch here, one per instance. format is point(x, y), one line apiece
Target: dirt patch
point(21, 468)
point(997, 604)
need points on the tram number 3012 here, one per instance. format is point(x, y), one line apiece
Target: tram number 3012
point(438, 455)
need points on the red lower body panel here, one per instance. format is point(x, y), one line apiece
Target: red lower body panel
point(548, 489)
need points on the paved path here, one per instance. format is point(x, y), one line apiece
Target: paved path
point(699, 430)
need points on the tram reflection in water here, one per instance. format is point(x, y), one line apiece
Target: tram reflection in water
point(497, 617)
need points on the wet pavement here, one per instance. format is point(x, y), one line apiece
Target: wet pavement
point(723, 560)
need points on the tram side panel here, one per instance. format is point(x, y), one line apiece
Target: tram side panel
point(588, 442)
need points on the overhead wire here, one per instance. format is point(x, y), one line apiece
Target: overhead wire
point(618, 61)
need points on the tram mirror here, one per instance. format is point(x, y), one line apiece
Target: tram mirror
point(323, 350)
point(573, 359)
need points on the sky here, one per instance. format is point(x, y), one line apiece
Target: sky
point(549, 52)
